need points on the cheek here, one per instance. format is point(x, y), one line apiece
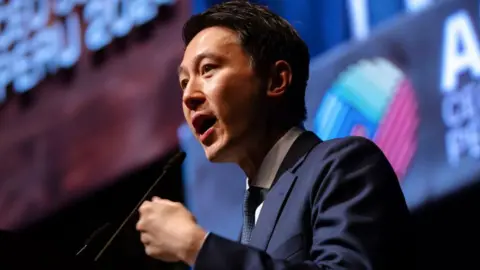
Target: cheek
point(233, 95)
point(237, 102)
point(186, 115)
point(185, 111)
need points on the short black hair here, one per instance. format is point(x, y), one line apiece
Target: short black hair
point(267, 38)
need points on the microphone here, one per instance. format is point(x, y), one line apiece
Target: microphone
point(92, 236)
point(178, 158)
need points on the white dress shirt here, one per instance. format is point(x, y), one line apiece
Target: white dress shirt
point(272, 161)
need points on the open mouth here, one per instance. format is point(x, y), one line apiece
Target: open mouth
point(203, 123)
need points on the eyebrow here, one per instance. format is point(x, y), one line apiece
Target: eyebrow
point(197, 59)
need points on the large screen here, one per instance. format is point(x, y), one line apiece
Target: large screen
point(411, 88)
point(88, 91)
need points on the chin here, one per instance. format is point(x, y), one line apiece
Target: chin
point(216, 153)
point(212, 155)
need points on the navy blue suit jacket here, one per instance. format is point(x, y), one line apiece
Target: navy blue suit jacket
point(335, 204)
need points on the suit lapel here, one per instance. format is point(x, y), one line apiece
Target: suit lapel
point(272, 207)
point(279, 193)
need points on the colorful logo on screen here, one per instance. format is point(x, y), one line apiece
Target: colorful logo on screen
point(373, 99)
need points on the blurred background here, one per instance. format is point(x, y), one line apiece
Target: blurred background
point(90, 112)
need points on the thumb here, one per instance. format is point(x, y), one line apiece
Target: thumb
point(156, 199)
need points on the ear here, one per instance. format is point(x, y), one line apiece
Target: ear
point(280, 78)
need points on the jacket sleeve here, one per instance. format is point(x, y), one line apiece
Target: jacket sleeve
point(358, 217)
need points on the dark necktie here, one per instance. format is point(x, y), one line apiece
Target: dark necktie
point(253, 198)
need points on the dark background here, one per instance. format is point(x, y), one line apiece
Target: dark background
point(54, 241)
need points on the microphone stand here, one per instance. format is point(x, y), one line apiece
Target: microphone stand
point(177, 159)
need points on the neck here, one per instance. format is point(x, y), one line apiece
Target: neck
point(257, 149)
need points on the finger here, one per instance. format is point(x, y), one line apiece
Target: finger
point(149, 250)
point(145, 239)
point(140, 225)
point(154, 252)
point(144, 208)
point(164, 202)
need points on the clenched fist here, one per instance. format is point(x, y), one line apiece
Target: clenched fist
point(169, 231)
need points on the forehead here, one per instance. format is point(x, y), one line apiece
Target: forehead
point(219, 41)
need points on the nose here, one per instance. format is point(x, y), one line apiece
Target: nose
point(193, 100)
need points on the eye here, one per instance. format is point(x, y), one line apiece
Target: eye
point(183, 83)
point(207, 68)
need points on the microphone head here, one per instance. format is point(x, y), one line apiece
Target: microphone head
point(178, 158)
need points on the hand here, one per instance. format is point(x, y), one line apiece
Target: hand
point(169, 231)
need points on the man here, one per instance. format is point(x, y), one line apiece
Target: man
point(310, 204)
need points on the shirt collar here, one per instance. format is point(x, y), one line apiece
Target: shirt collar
point(272, 161)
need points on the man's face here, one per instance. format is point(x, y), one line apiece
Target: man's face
point(222, 96)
